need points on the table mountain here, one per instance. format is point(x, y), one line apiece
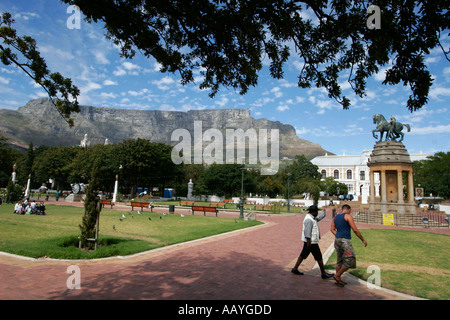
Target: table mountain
point(39, 122)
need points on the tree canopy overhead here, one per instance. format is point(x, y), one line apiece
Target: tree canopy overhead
point(228, 40)
point(22, 52)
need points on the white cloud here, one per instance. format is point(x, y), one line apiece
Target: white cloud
point(26, 15)
point(262, 101)
point(119, 72)
point(167, 107)
point(431, 129)
point(100, 56)
point(109, 83)
point(164, 83)
point(432, 60)
point(137, 93)
point(127, 68)
point(90, 86)
point(109, 95)
point(436, 92)
point(276, 92)
point(381, 74)
point(301, 131)
point(130, 66)
point(299, 99)
point(4, 80)
point(282, 108)
point(222, 102)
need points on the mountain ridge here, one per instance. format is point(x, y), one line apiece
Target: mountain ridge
point(40, 123)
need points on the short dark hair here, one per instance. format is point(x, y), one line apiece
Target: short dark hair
point(346, 206)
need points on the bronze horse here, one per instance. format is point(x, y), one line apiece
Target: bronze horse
point(392, 131)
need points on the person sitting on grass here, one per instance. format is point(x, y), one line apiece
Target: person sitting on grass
point(41, 209)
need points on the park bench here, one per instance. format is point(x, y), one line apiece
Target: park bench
point(298, 204)
point(204, 209)
point(141, 205)
point(106, 203)
point(218, 204)
point(186, 203)
point(263, 207)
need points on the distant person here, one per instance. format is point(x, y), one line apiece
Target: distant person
point(17, 207)
point(346, 258)
point(311, 237)
point(42, 209)
point(33, 206)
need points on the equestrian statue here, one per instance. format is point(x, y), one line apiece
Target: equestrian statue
point(392, 128)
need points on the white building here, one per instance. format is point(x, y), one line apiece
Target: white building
point(353, 170)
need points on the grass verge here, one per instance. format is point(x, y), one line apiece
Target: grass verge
point(56, 234)
point(412, 262)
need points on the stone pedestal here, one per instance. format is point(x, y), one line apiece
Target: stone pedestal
point(190, 189)
point(74, 197)
point(391, 160)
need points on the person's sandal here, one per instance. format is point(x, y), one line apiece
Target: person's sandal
point(339, 283)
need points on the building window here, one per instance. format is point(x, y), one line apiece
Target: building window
point(336, 174)
point(362, 175)
point(349, 174)
point(324, 173)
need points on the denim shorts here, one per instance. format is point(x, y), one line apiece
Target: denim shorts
point(345, 253)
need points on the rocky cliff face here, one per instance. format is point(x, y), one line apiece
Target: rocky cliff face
point(40, 123)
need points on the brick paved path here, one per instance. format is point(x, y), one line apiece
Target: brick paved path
point(250, 264)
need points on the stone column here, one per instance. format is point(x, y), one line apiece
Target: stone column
point(400, 186)
point(383, 191)
point(410, 187)
point(372, 186)
point(383, 185)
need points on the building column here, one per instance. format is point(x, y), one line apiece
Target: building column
point(400, 187)
point(383, 202)
point(410, 187)
point(372, 186)
point(383, 186)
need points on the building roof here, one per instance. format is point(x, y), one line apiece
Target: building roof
point(353, 160)
point(339, 161)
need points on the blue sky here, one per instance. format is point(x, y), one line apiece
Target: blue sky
point(107, 80)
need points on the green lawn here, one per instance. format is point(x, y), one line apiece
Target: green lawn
point(56, 234)
point(413, 262)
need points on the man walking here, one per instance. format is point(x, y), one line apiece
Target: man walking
point(311, 237)
point(346, 258)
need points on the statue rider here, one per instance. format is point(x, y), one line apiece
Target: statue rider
point(391, 131)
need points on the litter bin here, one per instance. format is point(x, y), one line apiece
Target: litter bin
point(171, 208)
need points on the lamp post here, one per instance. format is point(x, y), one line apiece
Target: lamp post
point(116, 186)
point(289, 182)
point(241, 207)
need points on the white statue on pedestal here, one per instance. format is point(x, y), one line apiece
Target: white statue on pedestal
point(85, 142)
point(190, 189)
